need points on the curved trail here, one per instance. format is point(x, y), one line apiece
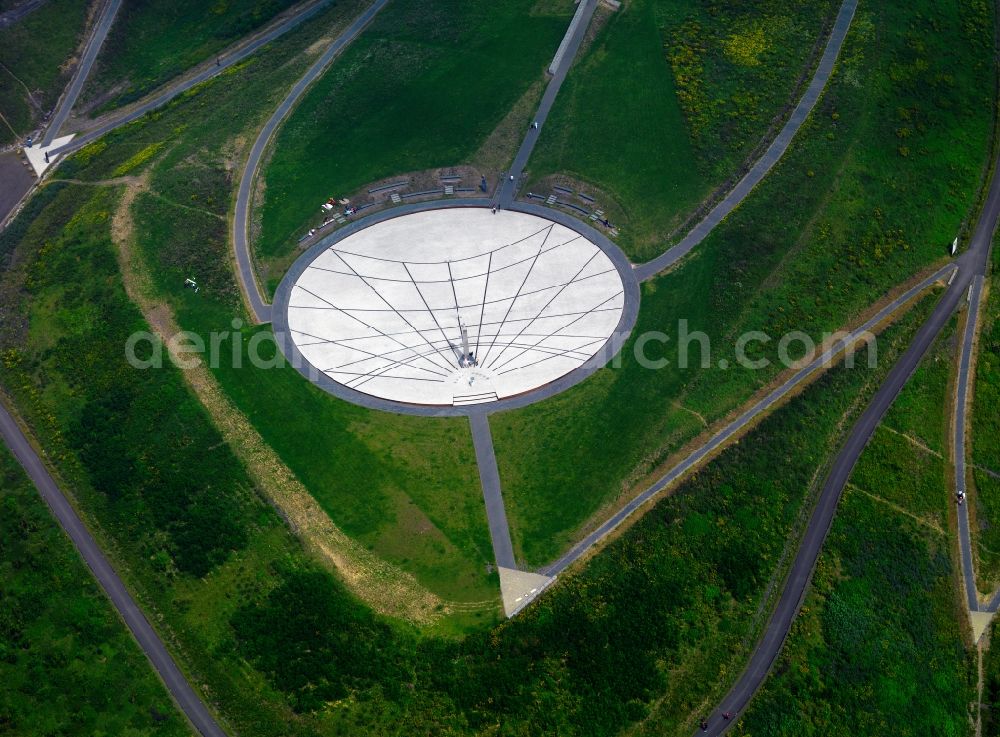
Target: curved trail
point(259, 308)
point(770, 157)
point(965, 374)
point(183, 694)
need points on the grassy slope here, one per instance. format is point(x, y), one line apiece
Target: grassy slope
point(879, 647)
point(905, 463)
point(32, 54)
point(842, 219)
point(985, 433)
point(423, 87)
point(406, 488)
point(662, 612)
point(669, 101)
point(67, 663)
point(652, 627)
point(155, 40)
point(139, 452)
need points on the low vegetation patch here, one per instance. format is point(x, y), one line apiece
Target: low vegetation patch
point(879, 648)
point(67, 663)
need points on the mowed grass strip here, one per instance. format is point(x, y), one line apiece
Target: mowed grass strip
point(668, 101)
point(871, 193)
point(880, 636)
point(423, 87)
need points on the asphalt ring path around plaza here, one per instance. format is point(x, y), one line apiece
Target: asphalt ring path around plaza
point(598, 358)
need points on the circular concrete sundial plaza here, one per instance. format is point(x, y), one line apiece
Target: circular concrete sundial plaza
point(450, 307)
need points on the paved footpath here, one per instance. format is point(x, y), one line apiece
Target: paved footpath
point(185, 697)
point(980, 614)
point(961, 407)
point(256, 301)
point(489, 476)
point(568, 50)
point(90, 52)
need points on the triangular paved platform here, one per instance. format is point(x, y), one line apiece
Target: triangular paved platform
point(980, 622)
point(36, 153)
point(518, 588)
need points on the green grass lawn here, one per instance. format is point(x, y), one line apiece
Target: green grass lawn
point(423, 87)
point(68, 665)
point(34, 54)
point(844, 218)
point(668, 102)
point(879, 647)
point(153, 41)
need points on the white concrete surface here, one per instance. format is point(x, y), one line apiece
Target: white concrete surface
point(380, 310)
point(36, 153)
point(578, 16)
point(519, 588)
point(980, 623)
